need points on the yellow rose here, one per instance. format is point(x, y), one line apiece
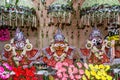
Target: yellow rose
point(93, 73)
point(91, 66)
point(97, 77)
point(101, 66)
point(109, 77)
point(107, 67)
point(99, 73)
point(96, 67)
point(103, 78)
point(84, 78)
point(87, 73)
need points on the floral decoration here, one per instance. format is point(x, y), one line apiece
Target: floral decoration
point(97, 72)
point(24, 73)
point(67, 71)
point(4, 34)
point(5, 70)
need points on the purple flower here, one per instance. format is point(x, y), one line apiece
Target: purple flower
point(7, 66)
point(5, 75)
point(1, 69)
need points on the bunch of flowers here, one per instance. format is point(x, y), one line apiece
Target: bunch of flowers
point(24, 73)
point(97, 72)
point(5, 70)
point(67, 71)
point(4, 34)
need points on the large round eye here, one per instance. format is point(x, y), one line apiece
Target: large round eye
point(100, 40)
point(94, 41)
point(62, 45)
point(56, 45)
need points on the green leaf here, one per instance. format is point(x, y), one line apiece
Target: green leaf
point(16, 2)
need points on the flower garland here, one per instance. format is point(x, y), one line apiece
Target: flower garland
point(4, 34)
point(5, 70)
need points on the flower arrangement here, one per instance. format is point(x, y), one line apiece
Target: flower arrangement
point(24, 73)
point(97, 72)
point(5, 70)
point(67, 71)
point(4, 34)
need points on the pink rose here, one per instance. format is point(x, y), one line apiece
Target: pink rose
point(64, 78)
point(81, 71)
point(59, 74)
point(58, 65)
point(65, 75)
point(65, 64)
point(79, 64)
point(70, 70)
point(63, 69)
point(78, 77)
point(75, 70)
point(71, 77)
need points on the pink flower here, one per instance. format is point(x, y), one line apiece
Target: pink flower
point(81, 71)
point(71, 66)
point(70, 70)
point(58, 65)
point(56, 79)
point(78, 77)
point(5, 76)
point(75, 70)
point(7, 66)
point(1, 69)
point(65, 75)
point(59, 74)
point(65, 64)
point(86, 65)
point(71, 77)
point(79, 64)
point(64, 78)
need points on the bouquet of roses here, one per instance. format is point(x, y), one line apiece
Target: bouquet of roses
point(97, 72)
point(67, 71)
point(24, 73)
point(5, 70)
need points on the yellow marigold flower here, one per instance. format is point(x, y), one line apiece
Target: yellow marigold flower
point(87, 73)
point(93, 73)
point(101, 66)
point(107, 67)
point(91, 66)
point(84, 78)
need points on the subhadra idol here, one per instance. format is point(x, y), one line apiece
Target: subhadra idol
point(58, 51)
point(20, 51)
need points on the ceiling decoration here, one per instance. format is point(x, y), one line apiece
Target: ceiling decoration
point(95, 11)
point(13, 12)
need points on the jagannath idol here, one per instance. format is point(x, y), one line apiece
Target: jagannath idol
point(98, 50)
point(58, 51)
point(20, 51)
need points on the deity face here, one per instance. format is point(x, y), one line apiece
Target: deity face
point(97, 41)
point(59, 47)
point(19, 45)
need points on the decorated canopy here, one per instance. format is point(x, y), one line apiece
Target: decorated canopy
point(96, 10)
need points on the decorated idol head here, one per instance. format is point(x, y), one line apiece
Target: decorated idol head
point(59, 45)
point(95, 39)
point(19, 39)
